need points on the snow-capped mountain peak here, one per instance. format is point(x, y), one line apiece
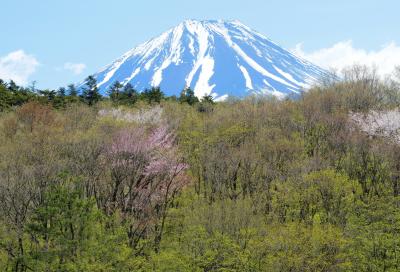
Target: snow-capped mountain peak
point(214, 57)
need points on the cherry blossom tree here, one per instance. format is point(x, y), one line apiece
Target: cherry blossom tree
point(146, 174)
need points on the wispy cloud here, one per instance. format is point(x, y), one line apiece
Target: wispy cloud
point(76, 68)
point(344, 54)
point(18, 66)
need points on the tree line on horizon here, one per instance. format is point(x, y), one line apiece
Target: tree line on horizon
point(12, 95)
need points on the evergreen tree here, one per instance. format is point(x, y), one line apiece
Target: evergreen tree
point(13, 87)
point(206, 104)
point(32, 87)
point(72, 94)
point(61, 92)
point(153, 95)
point(129, 95)
point(114, 91)
point(72, 90)
point(91, 93)
point(3, 83)
point(188, 96)
point(208, 99)
point(49, 94)
point(14, 94)
point(5, 97)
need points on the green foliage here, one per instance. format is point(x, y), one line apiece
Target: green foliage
point(207, 99)
point(5, 98)
point(152, 95)
point(115, 91)
point(321, 197)
point(374, 231)
point(129, 95)
point(12, 95)
point(298, 247)
point(71, 234)
point(369, 168)
point(72, 90)
point(206, 104)
point(263, 184)
point(91, 93)
point(188, 96)
point(123, 95)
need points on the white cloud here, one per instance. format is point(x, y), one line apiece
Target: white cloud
point(18, 66)
point(76, 68)
point(344, 54)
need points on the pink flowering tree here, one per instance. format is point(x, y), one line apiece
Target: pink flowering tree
point(146, 174)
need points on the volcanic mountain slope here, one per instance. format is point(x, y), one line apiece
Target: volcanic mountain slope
point(221, 58)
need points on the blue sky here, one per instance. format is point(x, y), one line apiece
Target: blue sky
point(59, 42)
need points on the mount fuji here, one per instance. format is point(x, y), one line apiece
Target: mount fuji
point(218, 58)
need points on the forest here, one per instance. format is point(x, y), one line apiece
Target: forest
point(137, 181)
